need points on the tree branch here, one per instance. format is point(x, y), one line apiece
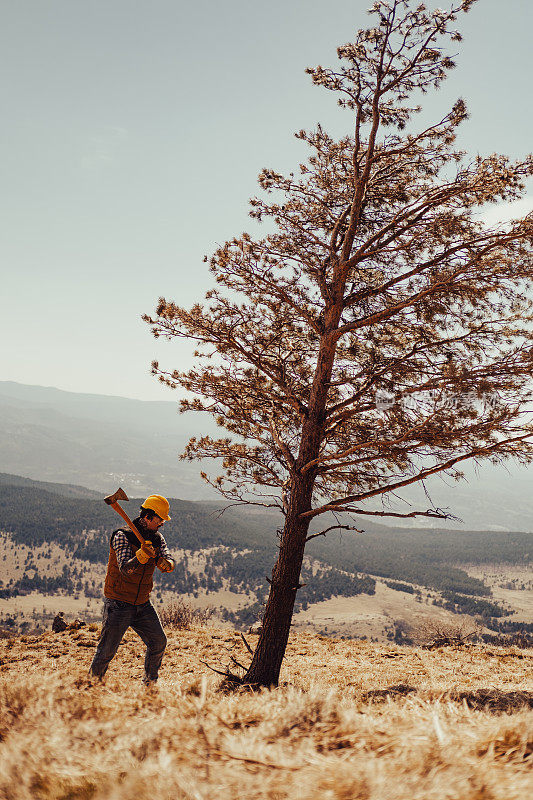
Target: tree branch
point(334, 528)
point(337, 505)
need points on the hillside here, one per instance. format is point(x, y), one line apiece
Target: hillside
point(351, 720)
point(97, 441)
point(62, 489)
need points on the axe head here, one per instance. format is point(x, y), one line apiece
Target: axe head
point(120, 494)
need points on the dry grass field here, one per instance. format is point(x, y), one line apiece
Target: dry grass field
point(351, 719)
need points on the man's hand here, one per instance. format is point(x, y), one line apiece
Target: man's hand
point(164, 565)
point(145, 552)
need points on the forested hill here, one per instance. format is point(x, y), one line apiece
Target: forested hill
point(35, 515)
point(394, 551)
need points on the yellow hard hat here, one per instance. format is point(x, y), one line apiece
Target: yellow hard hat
point(159, 504)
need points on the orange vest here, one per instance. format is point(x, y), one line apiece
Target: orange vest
point(135, 587)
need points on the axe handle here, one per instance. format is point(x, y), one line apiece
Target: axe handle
point(125, 517)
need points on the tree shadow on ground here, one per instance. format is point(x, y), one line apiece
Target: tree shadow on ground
point(495, 699)
point(399, 689)
point(481, 699)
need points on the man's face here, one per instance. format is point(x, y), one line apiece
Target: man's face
point(153, 524)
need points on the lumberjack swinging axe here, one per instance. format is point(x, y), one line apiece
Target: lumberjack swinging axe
point(128, 583)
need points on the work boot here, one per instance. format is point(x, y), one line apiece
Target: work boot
point(150, 684)
point(94, 680)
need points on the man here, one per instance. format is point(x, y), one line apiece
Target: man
point(127, 588)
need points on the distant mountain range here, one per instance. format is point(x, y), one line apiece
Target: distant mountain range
point(99, 441)
point(102, 441)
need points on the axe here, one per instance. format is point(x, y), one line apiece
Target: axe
point(112, 500)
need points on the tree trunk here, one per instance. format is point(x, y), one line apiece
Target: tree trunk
point(268, 657)
point(270, 651)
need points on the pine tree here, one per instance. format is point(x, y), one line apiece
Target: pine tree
point(381, 333)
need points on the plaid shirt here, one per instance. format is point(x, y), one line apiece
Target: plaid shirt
point(124, 551)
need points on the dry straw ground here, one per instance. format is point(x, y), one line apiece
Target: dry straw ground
point(352, 720)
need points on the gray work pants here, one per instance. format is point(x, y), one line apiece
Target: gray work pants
point(117, 618)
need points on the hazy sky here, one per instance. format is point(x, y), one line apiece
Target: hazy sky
point(132, 135)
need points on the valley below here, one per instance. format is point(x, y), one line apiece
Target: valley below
point(385, 614)
point(386, 584)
